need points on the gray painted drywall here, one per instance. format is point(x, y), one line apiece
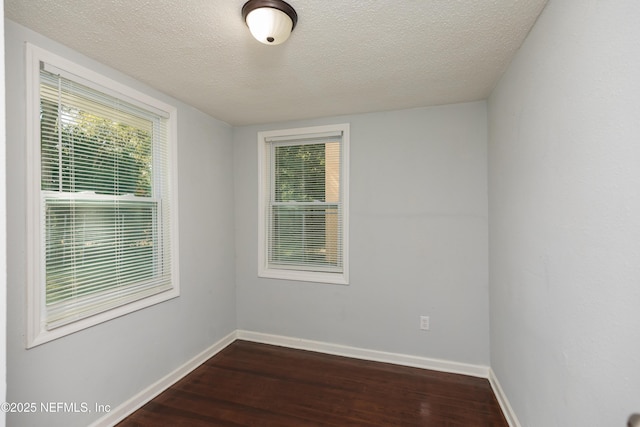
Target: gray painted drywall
point(564, 156)
point(3, 230)
point(418, 213)
point(113, 361)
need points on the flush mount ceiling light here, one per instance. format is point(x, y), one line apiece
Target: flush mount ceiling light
point(270, 21)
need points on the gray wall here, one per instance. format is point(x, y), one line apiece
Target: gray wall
point(418, 213)
point(3, 232)
point(564, 156)
point(113, 361)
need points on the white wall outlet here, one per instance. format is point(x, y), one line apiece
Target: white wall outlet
point(424, 323)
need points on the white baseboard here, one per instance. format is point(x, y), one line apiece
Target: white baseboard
point(366, 354)
point(120, 412)
point(507, 410)
point(394, 358)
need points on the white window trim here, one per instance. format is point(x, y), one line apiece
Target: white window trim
point(300, 275)
point(36, 331)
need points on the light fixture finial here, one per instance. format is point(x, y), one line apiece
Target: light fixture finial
point(270, 21)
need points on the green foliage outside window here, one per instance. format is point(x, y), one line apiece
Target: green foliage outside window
point(85, 153)
point(300, 173)
point(299, 215)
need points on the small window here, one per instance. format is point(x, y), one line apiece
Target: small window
point(304, 204)
point(102, 209)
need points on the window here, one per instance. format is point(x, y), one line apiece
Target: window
point(303, 216)
point(102, 203)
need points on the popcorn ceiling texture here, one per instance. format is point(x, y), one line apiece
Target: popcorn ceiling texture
point(344, 57)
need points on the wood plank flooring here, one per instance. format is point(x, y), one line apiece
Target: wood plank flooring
point(249, 384)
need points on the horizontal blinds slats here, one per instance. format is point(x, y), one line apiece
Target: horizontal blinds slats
point(80, 308)
point(306, 236)
point(76, 96)
point(106, 92)
point(93, 143)
point(320, 137)
point(104, 184)
point(304, 210)
point(105, 284)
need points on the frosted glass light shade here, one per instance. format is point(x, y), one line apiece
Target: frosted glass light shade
point(269, 25)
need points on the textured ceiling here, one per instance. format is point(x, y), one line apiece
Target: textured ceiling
point(345, 56)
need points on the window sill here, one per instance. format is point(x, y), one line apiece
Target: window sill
point(40, 335)
point(305, 276)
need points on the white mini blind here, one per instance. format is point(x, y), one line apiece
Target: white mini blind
point(106, 216)
point(304, 203)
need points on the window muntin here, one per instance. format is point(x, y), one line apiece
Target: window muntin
point(304, 202)
point(103, 214)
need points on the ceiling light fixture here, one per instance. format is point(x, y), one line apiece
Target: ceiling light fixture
point(270, 21)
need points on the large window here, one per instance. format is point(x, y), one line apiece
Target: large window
point(303, 204)
point(102, 210)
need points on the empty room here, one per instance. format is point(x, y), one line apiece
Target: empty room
point(306, 213)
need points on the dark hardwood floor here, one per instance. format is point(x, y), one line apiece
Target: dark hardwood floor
point(249, 384)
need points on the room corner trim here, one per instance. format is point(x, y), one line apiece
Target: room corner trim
point(366, 354)
point(507, 410)
point(125, 409)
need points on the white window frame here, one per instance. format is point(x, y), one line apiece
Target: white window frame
point(264, 270)
point(37, 332)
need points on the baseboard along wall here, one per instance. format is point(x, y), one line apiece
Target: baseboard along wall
point(127, 408)
point(120, 412)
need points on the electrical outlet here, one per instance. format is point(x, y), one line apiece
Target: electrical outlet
point(424, 323)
